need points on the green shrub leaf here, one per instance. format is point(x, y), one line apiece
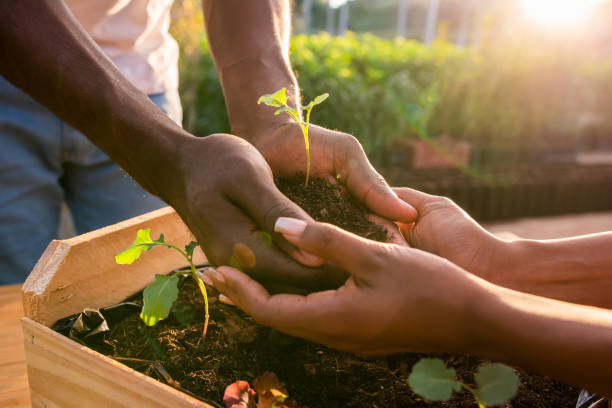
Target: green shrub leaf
point(497, 383)
point(158, 298)
point(432, 380)
point(131, 253)
point(278, 98)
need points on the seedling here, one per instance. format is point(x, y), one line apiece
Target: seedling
point(160, 295)
point(431, 379)
point(278, 99)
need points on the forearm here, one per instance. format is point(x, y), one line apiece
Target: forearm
point(55, 61)
point(249, 43)
point(570, 342)
point(577, 270)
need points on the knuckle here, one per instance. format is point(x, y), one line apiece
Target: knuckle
point(279, 208)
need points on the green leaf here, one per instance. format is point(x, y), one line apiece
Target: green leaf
point(267, 238)
point(497, 383)
point(319, 99)
point(184, 312)
point(158, 298)
point(278, 98)
point(131, 253)
point(190, 247)
point(289, 111)
point(432, 380)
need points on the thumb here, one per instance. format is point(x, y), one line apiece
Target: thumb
point(349, 251)
point(416, 198)
point(367, 185)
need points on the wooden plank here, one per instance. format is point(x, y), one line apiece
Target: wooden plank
point(81, 272)
point(66, 374)
point(14, 389)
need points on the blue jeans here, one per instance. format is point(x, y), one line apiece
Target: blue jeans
point(43, 163)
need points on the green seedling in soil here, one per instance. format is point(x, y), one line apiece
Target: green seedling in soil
point(431, 379)
point(278, 99)
point(160, 295)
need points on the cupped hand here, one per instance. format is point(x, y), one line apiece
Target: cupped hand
point(335, 156)
point(228, 199)
point(446, 230)
point(397, 299)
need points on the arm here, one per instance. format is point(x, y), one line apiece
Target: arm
point(577, 270)
point(55, 61)
point(48, 54)
point(401, 299)
point(249, 42)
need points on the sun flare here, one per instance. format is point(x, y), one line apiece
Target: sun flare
point(558, 11)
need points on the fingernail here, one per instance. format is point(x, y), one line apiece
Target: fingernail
point(213, 275)
point(205, 278)
point(291, 226)
point(226, 300)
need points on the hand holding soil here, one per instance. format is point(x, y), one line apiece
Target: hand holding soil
point(230, 197)
point(336, 157)
point(397, 299)
point(402, 299)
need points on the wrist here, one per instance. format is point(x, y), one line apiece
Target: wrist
point(503, 258)
point(245, 81)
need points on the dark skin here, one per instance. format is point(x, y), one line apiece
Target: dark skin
point(221, 186)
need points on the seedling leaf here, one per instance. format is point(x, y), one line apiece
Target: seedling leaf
point(278, 98)
point(190, 247)
point(497, 383)
point(432, 380)
point(131, 253)
point(289, 111)
point(158, 298)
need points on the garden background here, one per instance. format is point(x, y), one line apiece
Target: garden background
point(520, 112)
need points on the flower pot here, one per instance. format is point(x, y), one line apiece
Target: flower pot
point(81, 272)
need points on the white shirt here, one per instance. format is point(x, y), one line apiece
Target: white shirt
point(134, 34)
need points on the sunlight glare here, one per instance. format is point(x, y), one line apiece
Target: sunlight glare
point(557, 11)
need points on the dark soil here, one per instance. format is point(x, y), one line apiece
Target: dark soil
point(330, 203)
point(236, 348)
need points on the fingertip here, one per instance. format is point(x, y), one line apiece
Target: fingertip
point(409, 213)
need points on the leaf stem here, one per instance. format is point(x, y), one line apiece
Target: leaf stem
point(194, 275)
point(473, 392)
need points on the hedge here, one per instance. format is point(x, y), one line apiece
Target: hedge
point(505, 97)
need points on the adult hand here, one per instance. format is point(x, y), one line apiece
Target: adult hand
point(444, 229)
point(228, 197)
point(397, 299)
point(335, 156)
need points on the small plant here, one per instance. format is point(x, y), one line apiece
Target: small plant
point(278, 99)
point(160, 295)
point(431, 379)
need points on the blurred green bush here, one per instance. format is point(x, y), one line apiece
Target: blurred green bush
point(509, 97)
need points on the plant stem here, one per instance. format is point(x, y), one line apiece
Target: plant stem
point(473, 392)
point(307, 144)
point(305, 133)
point(194, 275)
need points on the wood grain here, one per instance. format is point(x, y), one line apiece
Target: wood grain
point(66, 374)
point(81, 272)
point(14, 390)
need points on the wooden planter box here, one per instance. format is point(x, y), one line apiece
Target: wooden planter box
point(81, 272)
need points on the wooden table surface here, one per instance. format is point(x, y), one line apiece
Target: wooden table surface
point(14, 390)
